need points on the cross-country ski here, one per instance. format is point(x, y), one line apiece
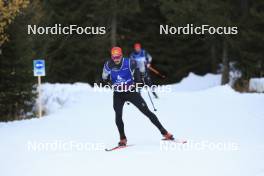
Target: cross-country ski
point(117, 147)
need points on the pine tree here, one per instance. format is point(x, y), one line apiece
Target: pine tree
point(16, 97)
point(251, 41)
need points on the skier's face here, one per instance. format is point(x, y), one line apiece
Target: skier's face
point(117, 59)
point(137, 49)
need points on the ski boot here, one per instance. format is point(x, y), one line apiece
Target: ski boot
point(122, 142)
point(168, 136)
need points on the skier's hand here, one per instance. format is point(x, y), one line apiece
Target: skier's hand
point(106, 82)
point(148, 65)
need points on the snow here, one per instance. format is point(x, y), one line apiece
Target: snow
point(195, 82)
point(256, 85)
point(56, 96)
point(234, 72)
point(224, 130)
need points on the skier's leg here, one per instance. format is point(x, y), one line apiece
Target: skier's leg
point(118, 107)
point(137, 79)
point(148, 82)
point(137, 76)
point(138, 101)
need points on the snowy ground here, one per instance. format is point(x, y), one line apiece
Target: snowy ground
point(256, 85)
point(224, 130)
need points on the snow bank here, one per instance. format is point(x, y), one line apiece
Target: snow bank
point(56, 96)
point(256, 85)
point(195, 82)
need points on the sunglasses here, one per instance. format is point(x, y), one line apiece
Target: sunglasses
point(116, 58)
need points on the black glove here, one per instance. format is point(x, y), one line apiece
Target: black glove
point(105, 82)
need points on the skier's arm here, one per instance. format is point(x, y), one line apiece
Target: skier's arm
point(106, 72)
point(133, 65)
point(148, 58)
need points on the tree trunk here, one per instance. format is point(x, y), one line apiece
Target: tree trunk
point(225, 71)
point(113, 25)
point(213, 59)
point(244, 7)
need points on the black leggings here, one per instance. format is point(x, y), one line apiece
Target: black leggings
point(147, 78)
point(135, 98)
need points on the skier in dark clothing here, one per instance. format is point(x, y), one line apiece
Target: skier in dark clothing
point(120, 71)
point(141, 56)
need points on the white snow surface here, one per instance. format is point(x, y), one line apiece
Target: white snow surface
point(256, 85)
point(80, 123)
point(195, 82)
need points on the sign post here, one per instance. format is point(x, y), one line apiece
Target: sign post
point(39, 71)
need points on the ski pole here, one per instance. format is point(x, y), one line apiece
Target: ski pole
point(156, 72)
point(150, 97)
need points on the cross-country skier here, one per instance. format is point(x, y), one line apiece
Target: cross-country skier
point(119, 70)
point(140, 55)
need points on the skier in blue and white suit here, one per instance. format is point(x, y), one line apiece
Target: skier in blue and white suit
point(120, 71)
point(142, 57)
